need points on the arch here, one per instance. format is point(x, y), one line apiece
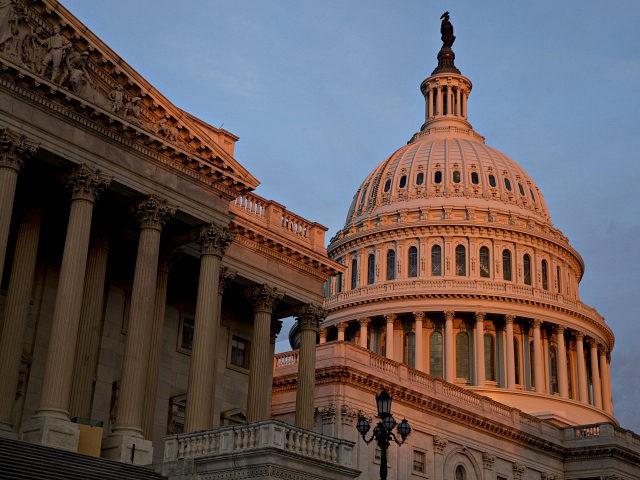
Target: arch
point(461, 261)
point(526, 268)
point(485, 263)
point(506, 265)
point(463, 369)
point(409, 350)
point(545, 275)
point(391, 265)
point(412, 262)
point(436, 260)
point(489, 357)
point(371, 269)
point(354, 274)
point(461, 457)
point(435, 355)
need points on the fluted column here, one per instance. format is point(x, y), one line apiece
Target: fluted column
point(364, 335)
point(595, 374)
point(604, 378)
point(429, 112)
point(152, 213)
point(537, 358)
point(276, 328)
point(480, 373)
point(449, 365)
point(16, 311)
point(263, 298)
point(390, 318)
point(341, 327)
point(582, 368)
point(89, 329)
point(563, 383)
point(213, 240)
point(309, 318)
point(511, 360)
point(86, 184)
point(155, 349)
point(14, 151)
point(418, 318)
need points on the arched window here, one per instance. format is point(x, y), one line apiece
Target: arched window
point(521, 189)
point(558, 276)
point(436, 260)
point(553, 371)
point(532, 365)
point(516, 359)
point(435, 354)
point(409, 353)
point(412, 270)
point(437, 177)
point(462, 355)
point(506, 264)
point(461, 261)
point(485, 265)
point(460, 473)
point(545, 277)
point(526, 267)
point(456, 176)
point(339, 282)
point(419, 178)
point(354, 274)
point(387, 185)
point(507, 184)
point(474, 178)
point(391, 265)
point(403, 181)
point(371, 269)
point(489, 357)
point(492, 180)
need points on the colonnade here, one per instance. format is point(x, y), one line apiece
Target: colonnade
point(523, 354)
point(74, 338)
point(446, 101)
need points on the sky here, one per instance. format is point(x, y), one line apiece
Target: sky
point(321, 92)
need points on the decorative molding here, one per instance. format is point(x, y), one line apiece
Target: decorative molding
point(264, 298)
point(154, 212)
point(226, 278)
point(15, 149)
point(87, 183)
point(439, 444)
point(518, 470)
point(215, 239)
point(488, 460)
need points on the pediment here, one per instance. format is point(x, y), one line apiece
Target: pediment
point(50, 51)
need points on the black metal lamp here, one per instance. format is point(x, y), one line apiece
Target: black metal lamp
point(383, 402)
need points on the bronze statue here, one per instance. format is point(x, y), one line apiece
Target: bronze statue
point(446, 29)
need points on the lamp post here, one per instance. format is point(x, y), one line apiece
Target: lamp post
point(383, 431)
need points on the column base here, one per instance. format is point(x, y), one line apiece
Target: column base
point(52, 432)
point(128, 449)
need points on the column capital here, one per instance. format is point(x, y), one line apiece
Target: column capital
point(418, 316)
point(342, 326)
point(579, 336)
point(397, 324)
point(592, 343)
point(480, 316)
point(558, 329)
point(390, 317)
point(87, 183)
point(449, 314)
point(508, 319)
point(15, 149)
point(226, 277)
point(537, 323)
point(309, 317)
point(439, 444)
point(276, 328)
point(215, 239)
point(364, 322)
point(264, 298)
point(153, 212)
point(518, 470)
point(488, 459)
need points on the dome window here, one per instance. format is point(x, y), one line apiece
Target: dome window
point(403, 181)
point(391, 265)
point(485, 264)
point(521, 189)
point(474, 178)
point(456, 176)
point(436, 260)
point(437, 177)
point(507, 184)
point(532, 195)
point(506, 264)
point(354, 274)
point(413, 262)
point(420, 178)
point(545, 275)
point(492, 180)
point(371, 269)
point(387, 186)
point(461, 261)
point(526, 264)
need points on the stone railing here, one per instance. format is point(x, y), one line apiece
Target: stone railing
point(600, 433)
point(256, 438)
point(277, 219)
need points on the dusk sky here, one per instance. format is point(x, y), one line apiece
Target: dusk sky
point(321, 92)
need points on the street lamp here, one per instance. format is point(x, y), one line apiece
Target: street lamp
point(383, 431)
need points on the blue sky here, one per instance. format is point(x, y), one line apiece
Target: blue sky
point(321, 92)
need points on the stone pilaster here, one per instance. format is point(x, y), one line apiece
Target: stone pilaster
point(511, 360)
point(538, 365)
point(582, 368)
point(518, 471)
point(595, 374)
point(309, 318)
point(563, 382)
point(264, 299)
point(449, 364)
point(389, 336)
point(50, 425)
point(323, 335)
point(418, 318)
point(488, 461)
point(341, 327)
point(364, 334)
point(89, 329)
point(14, 151)
point(16, 311)
point(480, 373)
point(153, 212)
point(439, 447)
point(214, 240)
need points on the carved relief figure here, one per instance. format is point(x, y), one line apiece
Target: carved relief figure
point(117, 98)
point(167, 131)
point(132, 110)
point(56, 45)
point(8, 21)
point(75, 70)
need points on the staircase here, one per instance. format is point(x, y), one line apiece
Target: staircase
point(21, 461)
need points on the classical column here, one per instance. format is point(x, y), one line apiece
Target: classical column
point(606, 382)
point(153, 212)
point(511, 361)
point(561, 363)
point(16, 311)
point(364, 324)
point(457, 112)
point(323, 335)
point(418, 318)
point(155, 349)
point(537, 358)
point(263, 298)
point(390, 318)
point(429, 112)
point(276, 328)
point(439, 100)
point(85, 184)
point(342, 326)
point(480, 373)
point(308, 321)
point(595, 374)
point(90, 329)
point(582, 369)
point(213, 240)
point(449, 366)
point(14, 151)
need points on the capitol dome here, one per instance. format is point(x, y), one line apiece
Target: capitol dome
point(453, 266)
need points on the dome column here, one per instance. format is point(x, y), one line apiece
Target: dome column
point(537, 358)
point(511, 364)
point(561, 364)
point(480, 373)
point(418, 318)
point(390, 318)
point(607, 404)
point(449, 372)
point(582, 368)
point(364, 335)
point(309, 318)
point(323, 335)
point(595, 374)
point(341, 327)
